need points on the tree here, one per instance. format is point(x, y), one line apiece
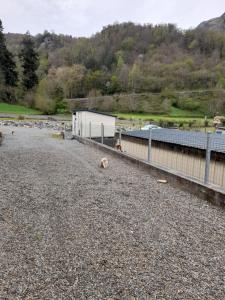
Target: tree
point(113, 85)
point(135, 77)
point(49, 94)
point(7, 64)
point(95, 82)
point(29, 61)
point(71, 79)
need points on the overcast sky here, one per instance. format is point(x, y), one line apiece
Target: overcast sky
point(86, 17)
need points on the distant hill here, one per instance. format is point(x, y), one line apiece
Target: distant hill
point(128, 59)
point(217, 24)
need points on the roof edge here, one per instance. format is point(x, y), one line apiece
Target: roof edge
point(94, 111)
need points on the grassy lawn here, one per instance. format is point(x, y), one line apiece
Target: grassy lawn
point(17, 109)
point(175, 114)
point(179, 113)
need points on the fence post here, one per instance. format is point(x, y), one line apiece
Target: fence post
point(81, 129)
point(102, 133)
point(207, 158)
point(120, 136)
point(90, 130)
point(149, 144)
point(64, 131)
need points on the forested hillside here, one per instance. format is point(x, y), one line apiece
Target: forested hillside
point(121, 59)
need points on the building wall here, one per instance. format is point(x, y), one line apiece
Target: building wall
point(83, 119)
point(190, 163)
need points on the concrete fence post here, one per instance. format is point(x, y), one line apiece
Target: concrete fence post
point(64, 130)
point(207, 158)
point(102, 133)
point(149, 144)
point(90, 130)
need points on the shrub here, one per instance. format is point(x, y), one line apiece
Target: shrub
point(170, 124)
point(162, 123)
point(190, 124)
point(188, 104)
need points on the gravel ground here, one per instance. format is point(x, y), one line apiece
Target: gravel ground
point(70, 230)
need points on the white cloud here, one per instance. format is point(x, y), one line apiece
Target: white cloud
point(85, 17)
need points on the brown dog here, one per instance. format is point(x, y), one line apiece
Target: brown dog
point(118, 147)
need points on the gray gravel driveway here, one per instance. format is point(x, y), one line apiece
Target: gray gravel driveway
point(70, 230)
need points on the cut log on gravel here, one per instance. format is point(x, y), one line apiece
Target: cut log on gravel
point(162, 181)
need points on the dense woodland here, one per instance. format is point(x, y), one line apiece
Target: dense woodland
point(44, 70)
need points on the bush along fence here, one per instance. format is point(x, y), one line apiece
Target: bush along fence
point(196, 155)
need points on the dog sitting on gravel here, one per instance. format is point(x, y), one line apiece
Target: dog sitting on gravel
point(104, 163)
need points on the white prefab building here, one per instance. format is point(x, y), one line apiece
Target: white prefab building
point(88, 123)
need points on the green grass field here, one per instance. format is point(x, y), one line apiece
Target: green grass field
point(175, 113)
point(176, 116)
point(17, 109)
point(179, 113)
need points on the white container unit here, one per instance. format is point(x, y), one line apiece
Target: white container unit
point(87, 122)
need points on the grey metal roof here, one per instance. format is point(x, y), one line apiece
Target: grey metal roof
point(94, 111)
point(186, 138)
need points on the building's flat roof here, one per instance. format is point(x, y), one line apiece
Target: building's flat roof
point(186, 138)
point(95, 112)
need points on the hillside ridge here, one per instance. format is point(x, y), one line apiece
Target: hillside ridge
point(216, 24)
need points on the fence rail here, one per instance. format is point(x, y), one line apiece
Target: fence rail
point(197, 155)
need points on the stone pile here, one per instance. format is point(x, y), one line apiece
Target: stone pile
point(53, 125)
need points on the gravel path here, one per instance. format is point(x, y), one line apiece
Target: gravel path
point(70, 230)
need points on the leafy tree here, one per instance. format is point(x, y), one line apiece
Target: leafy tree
point(7, 64)
point(96, 81)
point(135, 77)
point(71, 79)
point(113, 85)
point(43, 67)
point(49, 94)
point(29, 61)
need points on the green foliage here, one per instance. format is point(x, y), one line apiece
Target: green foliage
point(7, 65)
point(8, 74)
point(122, 58)
point(72, 80)
point(43, 68)
point(128, 44)
point(221, 83)
point(52, 90)
point(96, 80)
point(47, 96)
point(113, 85)
point(29, 61)
point(188, 104)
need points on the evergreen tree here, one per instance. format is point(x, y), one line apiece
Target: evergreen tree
point(29, 61)
point(7, 64)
